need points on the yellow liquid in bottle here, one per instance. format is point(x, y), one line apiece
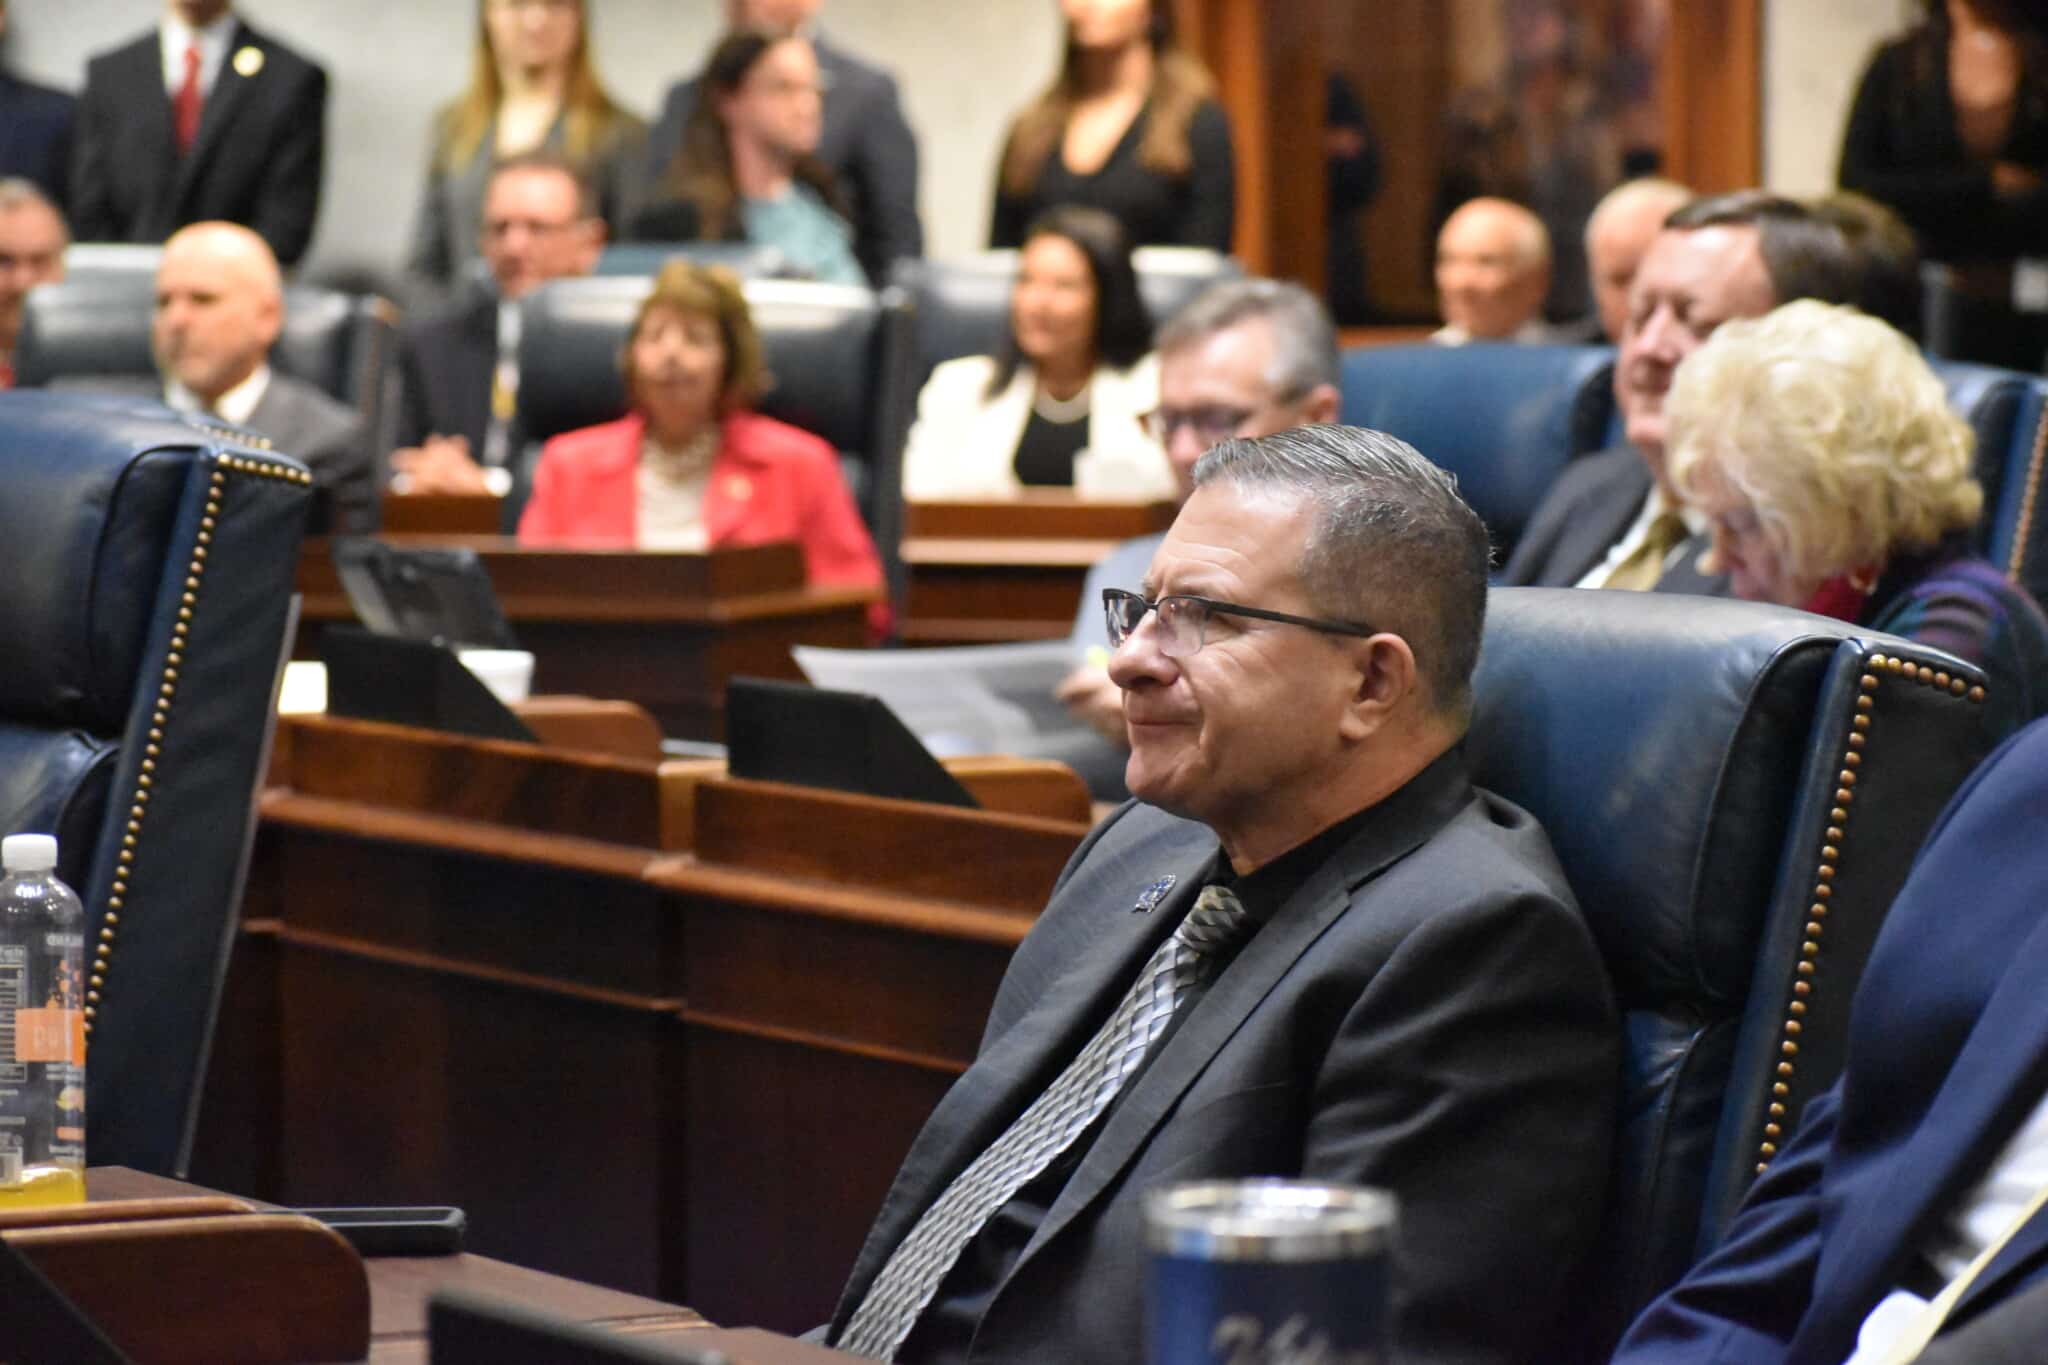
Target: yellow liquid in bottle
point(44, 1185)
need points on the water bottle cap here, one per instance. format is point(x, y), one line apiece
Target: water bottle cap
point(28, 852)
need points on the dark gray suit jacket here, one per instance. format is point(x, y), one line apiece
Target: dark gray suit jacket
point(329, 437)
point(1580, 518)
point(1427, 1013)
point(866, 143)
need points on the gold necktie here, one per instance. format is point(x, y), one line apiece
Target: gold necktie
point(1644, 565)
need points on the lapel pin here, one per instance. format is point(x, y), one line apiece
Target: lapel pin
point(248, 61)
point(1151, 896)
point(739, 487)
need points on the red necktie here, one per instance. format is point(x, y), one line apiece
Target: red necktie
point(185, 105)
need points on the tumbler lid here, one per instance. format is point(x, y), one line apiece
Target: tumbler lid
point(1268, 1220)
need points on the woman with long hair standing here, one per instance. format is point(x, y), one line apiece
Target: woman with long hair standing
point(532, 87)
point(1130, 126)
point(748, 169)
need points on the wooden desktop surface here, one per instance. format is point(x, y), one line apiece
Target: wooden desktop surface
point(675, 1045)
point(990, 572)
point(664, 630)
point(401, 1286)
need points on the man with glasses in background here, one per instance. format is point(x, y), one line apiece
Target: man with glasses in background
point(1245, 358)
point(1311, 949)
point(459, 371)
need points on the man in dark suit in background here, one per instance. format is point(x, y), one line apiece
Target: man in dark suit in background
point(866, 142)
point(202, 119)
point(1609, 521)
point(1386, 979)
point(1927, 1156)
point(459, 370)
point(35, 130)
point(219, 308)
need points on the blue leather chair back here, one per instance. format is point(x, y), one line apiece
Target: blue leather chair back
point(1735, 792)
point(341, 343)
point(747, 260)
point(1504, 419)
point(961, 306)
point(835, 353)
point(149, 567)
point(2009, 412)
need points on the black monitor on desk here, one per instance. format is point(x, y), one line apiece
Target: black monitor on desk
point(816, 737)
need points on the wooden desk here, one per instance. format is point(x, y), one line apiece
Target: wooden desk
point(663, 630)
point(680, 1062)
point(401, 1286)
point(981, 573)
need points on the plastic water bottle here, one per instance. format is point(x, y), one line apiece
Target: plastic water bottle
point(42, 1028)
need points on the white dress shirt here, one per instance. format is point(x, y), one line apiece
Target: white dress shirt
point(175, 35)
point(236, 405)
point(1654, 506)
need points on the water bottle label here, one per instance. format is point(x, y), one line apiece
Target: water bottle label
point(51, 1034)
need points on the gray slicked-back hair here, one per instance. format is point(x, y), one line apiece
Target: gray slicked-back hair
point(1393, 544)
point(1304, 338)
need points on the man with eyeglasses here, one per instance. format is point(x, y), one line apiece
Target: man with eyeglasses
point(1310, 949)
point(459, 370)
point(1245, 358)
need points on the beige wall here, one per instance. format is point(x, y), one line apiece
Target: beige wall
point(1814, 52)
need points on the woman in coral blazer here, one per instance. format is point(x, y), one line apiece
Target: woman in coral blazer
point(692, 466)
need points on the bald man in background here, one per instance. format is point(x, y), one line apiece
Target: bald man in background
point(1618, 233)
point(1492, 271)
point(32, 242)
point(219, 309)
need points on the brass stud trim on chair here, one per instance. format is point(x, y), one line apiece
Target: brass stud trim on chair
point(224, 463)
point(2016, 564)
point(1876, 669)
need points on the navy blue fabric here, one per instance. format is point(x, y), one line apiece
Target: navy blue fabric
point(2005, 409)
point(1505, 419)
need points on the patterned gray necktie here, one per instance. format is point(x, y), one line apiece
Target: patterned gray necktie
point(1048, 1127)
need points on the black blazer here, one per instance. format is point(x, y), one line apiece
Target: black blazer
point(1580, 518)
point(444, 366)
point(866, 143)
point(35, 135)
point(1427, 1012)
point(262, 138)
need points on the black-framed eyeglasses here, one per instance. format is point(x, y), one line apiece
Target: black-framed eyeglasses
point(1183, 618)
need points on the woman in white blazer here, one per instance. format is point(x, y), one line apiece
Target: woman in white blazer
point(1063, 401)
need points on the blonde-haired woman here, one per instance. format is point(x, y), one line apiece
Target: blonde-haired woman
point(1130, 126)
point(1838, 480)
point(532, 87)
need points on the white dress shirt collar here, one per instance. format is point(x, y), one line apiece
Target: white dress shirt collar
point(237, 405)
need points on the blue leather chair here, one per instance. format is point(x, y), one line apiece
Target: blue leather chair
point(1735, 792)
point(343, 344)
point(961, 306)
point(2009, 412)
point(835, 352)
point(149, 567)
point(1504, 419)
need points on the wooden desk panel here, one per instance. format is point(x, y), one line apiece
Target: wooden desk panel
point(685, 1076)
point(989, 572)
point(663, 630)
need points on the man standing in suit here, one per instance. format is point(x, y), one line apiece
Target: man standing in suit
point(1610, 521)
point(866, 141)
point(35, 130)
point(1909, 1201)
point(32, 242)
point(1314, 950)
point(203, 119)
point(459, 370)
point(219, 308)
